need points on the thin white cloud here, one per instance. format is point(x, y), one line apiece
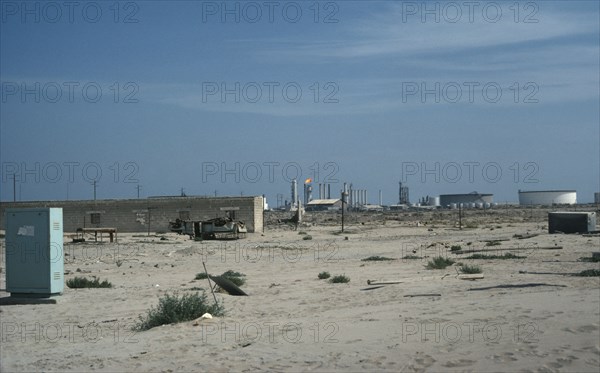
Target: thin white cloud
point(384, 34)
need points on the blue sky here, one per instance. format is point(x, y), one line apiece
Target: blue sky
point(494, 98)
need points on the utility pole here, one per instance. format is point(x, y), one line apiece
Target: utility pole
point(14, 187)
point(460, 216)
point(138, 187)
point(94, 183)
point(344, 194)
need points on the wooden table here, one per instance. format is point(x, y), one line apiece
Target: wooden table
point(112, 232)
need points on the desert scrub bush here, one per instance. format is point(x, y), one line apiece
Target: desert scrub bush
point(588, 259)
point(470, 269)
point(201, 276)
point(339, 279)
point(439, 263)
point(173, 309)
point(301, 233)
point(82, 282)
point(307, 237)
point(505, 256)
point(376, 258)
point(324, 275)
point(232, 273)
point(235, 277)
point(493, 243)
point(412, 257)
point(471, 225)
point(588, 273)
point(455, 248)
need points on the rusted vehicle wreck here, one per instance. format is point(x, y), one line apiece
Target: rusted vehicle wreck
point(212, 229)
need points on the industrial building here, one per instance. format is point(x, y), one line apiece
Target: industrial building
point(475, 198)
point(151, 214)
point(548, 197)
point(324, 205)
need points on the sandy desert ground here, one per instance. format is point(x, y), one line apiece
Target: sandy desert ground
point(292, 321)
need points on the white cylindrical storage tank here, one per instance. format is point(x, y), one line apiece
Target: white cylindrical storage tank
point(433, 201)
point(453, 206)
point(548, 197)
point(488, 205)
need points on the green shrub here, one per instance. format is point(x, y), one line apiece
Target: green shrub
point(173, 309)
point(439, 263)
point(301, 233)
point(307, 237)
point(411, 257)
point(376, 258)
point(470, 269)
point(455, 248)
point(339, 279)
point(493, 243)
point(471, 225)
point(82, 282)
point(324, 275)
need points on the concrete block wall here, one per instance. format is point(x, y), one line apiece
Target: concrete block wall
point(134, 215)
